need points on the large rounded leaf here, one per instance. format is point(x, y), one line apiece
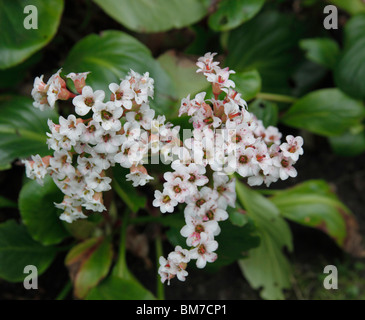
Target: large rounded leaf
point(267, 43)
point(110, 55)
point(232, 13)
point(326, 112)
point(155, 15)
point(36, 205)
point(18, 43)
point(18, 249)
point(350, 71)
point(313, 204)
point(22, 129)
point(354, 29)
point(273, 275)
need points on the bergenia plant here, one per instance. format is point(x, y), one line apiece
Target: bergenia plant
point(227, 142)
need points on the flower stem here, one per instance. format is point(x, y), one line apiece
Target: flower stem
point(121, 269)
point(159, 284)
point(65, 291)
point(276, 97)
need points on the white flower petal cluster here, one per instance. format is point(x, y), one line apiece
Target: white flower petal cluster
point(114, 132)
point(226, 139)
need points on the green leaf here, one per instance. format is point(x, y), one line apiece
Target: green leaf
point(126, 191)
point(351, 6)
point(248, 83)
point(324, 51)
point(354, 30)
point(88, 263)
point(110, 56)
point(266, 111)
point(18, 249)
point(232, 13)
point(155, 15)
point(266, 266)
point(114, 288)
point(349, 144)
point(182, 71)
point(22, 129)
point(313, 204)
point(18, 43)
point(267, 43)
point(237, 216)
point(350, 70)
point(6, 203)
point(326, 112)
point(36, 205)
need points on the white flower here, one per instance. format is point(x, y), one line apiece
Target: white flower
point(293, 147)
point(39, 94)
point(97, 182)
point(107, 142)
point(143, 116)
point(164, 201)
point(138, 176)
point(122, 94)
point(206, 64)
point(205, 251)
point(108, 115)
point(285, 166)
point(84, 102)
point(195, 228)
point(36, 169)
point(226, 189)
point(176, 189)
point(70, 127)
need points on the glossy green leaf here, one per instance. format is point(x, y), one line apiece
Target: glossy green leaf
point(237, 216)
point(155, 15)
point(114, 288)
point(18, 43)
point(182, 71)
point(354, 29)
point(351, 6)
point(22, 129)
point(324, 51)
point(350, 70)
point(126, 191)
point(349, 144)
point(313, 204)
point(266, 266)
point(232, 13)
point(110, 56)
point(18, 249)
point(325, 112)
point(88, 263)
point(266, 111)
point(267, 43)
point(248, 83)
point(38, 212)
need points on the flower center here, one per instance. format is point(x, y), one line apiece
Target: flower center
point(89, 102)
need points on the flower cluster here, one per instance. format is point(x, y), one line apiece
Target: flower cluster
point(226, 139)
point(102, 134)
point(229, 139)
